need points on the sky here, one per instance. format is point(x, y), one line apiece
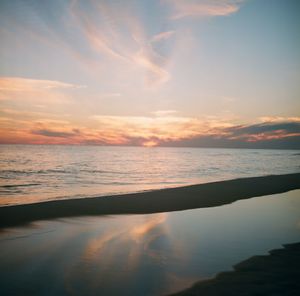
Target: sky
point(192, 73)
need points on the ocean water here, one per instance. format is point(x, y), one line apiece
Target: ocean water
point(34, 173)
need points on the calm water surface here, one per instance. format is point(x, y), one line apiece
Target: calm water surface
point(143, 254)
point(38, 173)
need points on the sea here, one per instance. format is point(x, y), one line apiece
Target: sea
point(37, 173)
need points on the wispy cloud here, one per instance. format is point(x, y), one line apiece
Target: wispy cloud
point(56, 134)
point(264, 131)
point(152, 63)
point(164, 112)
point(162, 36)
point(122, 37)
point(23, 94)
point(279, 119)
point(203, 8)
point(20, 84)
point(101, 37)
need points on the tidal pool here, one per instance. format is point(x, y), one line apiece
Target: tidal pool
point(152, 254)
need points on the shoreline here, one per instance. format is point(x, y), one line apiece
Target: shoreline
point(164, 200)
point(276, 273)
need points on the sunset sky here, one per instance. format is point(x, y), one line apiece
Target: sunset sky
point(207, 73)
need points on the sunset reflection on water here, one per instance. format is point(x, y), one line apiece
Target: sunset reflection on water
point(152, 254)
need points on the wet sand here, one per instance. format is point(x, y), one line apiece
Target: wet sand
point(165, 200)
point(275, 274)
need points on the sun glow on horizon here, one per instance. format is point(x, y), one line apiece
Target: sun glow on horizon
point(150, 144)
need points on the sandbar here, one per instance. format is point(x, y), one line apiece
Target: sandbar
point(165, 200)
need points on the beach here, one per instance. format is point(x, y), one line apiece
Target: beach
point(274, 274)
point(165, 200)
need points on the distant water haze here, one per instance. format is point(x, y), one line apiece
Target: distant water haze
point(33, 173)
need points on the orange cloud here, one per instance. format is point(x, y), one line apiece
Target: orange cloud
point(163, 127)
point(274, 119)
point(19, 84)
point(35, 90)
point(103, 130)
point(164, 112)
point(266, 136)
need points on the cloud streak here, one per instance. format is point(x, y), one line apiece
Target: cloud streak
point(20, 84)
point(19, 95)
point(203, 8)
point(122, 37)
point(55, 134)
point(162, 36)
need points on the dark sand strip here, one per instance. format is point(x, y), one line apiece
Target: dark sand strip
point(274, 274)
point(165, 200)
